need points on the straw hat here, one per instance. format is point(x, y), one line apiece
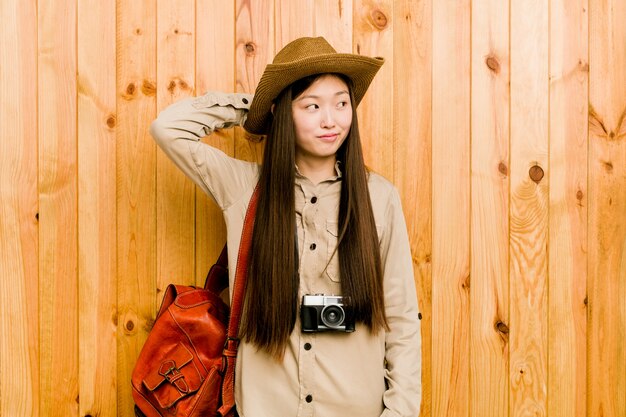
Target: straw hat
point(301, 58)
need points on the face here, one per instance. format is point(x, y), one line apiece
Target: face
point(322, 116)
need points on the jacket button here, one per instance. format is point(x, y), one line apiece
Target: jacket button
point(245, 100)
point(314, 200)
point(313, 246)
point(309, 398)
point(307, 346)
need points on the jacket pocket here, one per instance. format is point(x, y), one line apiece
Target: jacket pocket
point(332, 231)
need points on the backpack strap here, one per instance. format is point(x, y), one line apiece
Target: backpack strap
point(232, 341)
point(217, 278)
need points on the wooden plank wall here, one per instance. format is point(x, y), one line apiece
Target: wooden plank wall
point(568, 213)
point(450, 209)
point(489, 222)
point(502, 123)
point(606, 164)
point(57, 43)
point(97, 251)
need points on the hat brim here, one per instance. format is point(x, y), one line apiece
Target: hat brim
point(276, 77)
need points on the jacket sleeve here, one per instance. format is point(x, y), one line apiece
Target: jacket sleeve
point(178, 130)
point(403, 339)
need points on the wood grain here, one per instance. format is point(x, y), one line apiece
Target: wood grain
point(175, 193)
point(19, 248)
point(529, 202)
point(503, 125)
point(57, 186)
point(606, 285)
point(489, 295)
point(333, 20)
point(412, 136)
point(569, 82)
point(451, 208)
point(97, 262)
point(254, 49)
point(215, 70)
point(293, 20)
point(136, 187)
point(373, 36)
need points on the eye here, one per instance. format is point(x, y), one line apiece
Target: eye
point(311, 107)
point(342, 104)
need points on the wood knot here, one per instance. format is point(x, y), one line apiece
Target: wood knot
point(182, 84)
point(419, 316)
point(466, 283)
point(536, 173)
point(608, 165)
point(250, 48)
point(579, 195)
point(130, 325)
point(502, 328)
point(493, 64)
point(379, 19)
point(503, 169)
point(138, 31)
point(129, 92)
point(111, 121)
point(148, 88)
point(583, 66)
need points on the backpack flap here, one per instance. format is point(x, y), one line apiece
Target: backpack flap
point(174, 377)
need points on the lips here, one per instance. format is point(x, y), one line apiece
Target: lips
point(329, 137)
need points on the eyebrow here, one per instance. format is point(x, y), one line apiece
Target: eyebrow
point(317, 97)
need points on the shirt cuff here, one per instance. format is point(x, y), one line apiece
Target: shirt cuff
point(239, 102)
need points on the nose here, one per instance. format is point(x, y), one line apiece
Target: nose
point(328, 121)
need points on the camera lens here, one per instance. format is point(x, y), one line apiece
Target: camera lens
point(332, 315)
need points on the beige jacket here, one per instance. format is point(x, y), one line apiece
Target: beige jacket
point(326, 374)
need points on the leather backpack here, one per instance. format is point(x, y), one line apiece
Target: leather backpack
point(186, 367)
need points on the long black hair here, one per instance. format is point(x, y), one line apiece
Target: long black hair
point(271, 302)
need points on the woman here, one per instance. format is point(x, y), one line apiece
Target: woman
point(330, 322)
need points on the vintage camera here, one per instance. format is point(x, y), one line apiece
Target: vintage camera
point(320, 312)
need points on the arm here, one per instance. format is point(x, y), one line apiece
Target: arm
point(178, 130)
point(403, 340)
